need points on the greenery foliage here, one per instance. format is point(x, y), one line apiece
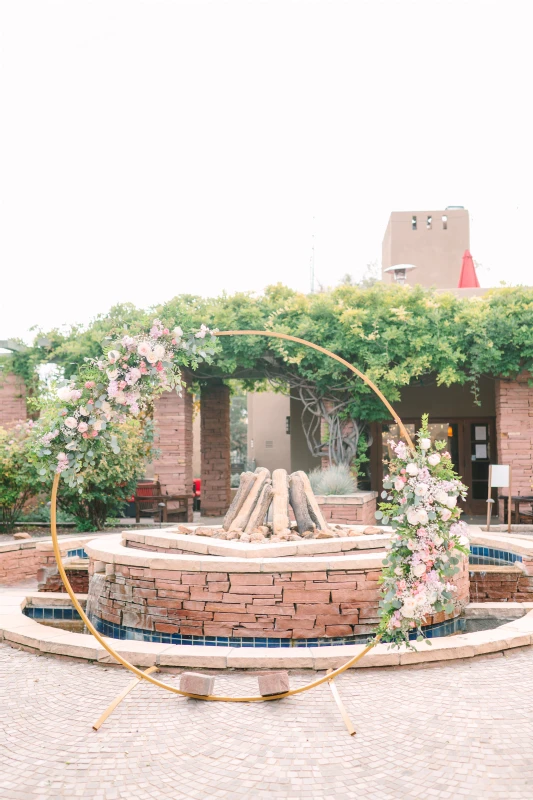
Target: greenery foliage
point(112, 480)
point(396, 335)
point(336, 479)
point(18, 478)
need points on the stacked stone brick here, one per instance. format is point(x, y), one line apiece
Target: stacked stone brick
point(12, 400)
point(514, 430)
point(283, 604)
point(215, 449)
point(174, 440)
point(359, 508)
point(18, 561)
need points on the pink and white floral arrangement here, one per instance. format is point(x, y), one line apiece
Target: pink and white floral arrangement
point(421, 493)
point(77, 422)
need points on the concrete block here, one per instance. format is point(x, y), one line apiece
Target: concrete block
point(273, 683)
point(197, 683)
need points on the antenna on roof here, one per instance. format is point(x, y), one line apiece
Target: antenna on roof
point(312, 259)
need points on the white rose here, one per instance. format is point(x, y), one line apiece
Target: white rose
point(451, 502)
point(71, 422)
point(113, 356)
point(419, 570)
point(438, 540)
point(412, 516)
point(421, 489)
point(144, 349)
point(65, 393)
point(159, 352)
point(441, 497)
point(408, 608)
point(177, 333)
point(422, 516)
point(411, 469)
point(112, 374)
point(151, 357)
point(434, 459)
point(425, 444)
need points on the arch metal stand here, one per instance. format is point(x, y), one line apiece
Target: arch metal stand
point(146, 675)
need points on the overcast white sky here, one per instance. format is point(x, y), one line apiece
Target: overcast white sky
point(152, 147)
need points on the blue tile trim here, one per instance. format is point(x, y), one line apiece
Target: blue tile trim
point(51, 613)
point(79, 553)
point(136, 634)
point(491, 555)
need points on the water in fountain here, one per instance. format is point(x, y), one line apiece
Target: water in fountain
point(94, 592)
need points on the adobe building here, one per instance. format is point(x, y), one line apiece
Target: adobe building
point(433, 242)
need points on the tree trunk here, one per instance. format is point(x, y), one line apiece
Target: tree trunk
point(298, 500)
point(246, 483)
point(260, 509)
point(312, 505)
point(280, 502)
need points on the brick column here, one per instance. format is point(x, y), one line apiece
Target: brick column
point(215, 438)
point(173, 420)
point(12, 399)
point(514, 432)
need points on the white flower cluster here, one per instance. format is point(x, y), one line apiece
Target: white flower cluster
point(428, 540)
point(122, 382)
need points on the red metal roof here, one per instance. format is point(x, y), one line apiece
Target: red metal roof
point(468, 279)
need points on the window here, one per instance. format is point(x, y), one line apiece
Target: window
point(269, 444)
point(287, 424)
point(428, 222)
point(413, 223)
point(445, 222)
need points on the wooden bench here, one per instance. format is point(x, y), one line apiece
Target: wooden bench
point(150, 500)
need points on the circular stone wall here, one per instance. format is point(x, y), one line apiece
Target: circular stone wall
point(174, 588)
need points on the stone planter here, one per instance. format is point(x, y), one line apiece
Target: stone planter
point(349, 509)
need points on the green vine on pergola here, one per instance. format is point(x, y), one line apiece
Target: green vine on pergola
point(396, 335)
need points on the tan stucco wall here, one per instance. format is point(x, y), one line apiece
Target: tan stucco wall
point(267, 414)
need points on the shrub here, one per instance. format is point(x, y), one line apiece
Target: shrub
point(112, 480)
point(336, 479)
point(18, 478)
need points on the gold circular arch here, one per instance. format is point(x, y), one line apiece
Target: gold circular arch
point(222, 698)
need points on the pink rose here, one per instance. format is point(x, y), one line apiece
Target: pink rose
point(445, 514)
point(83, 427)
point(71, 422)
point(90, 384)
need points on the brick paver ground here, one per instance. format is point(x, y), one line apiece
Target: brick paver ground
point(462, 730)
